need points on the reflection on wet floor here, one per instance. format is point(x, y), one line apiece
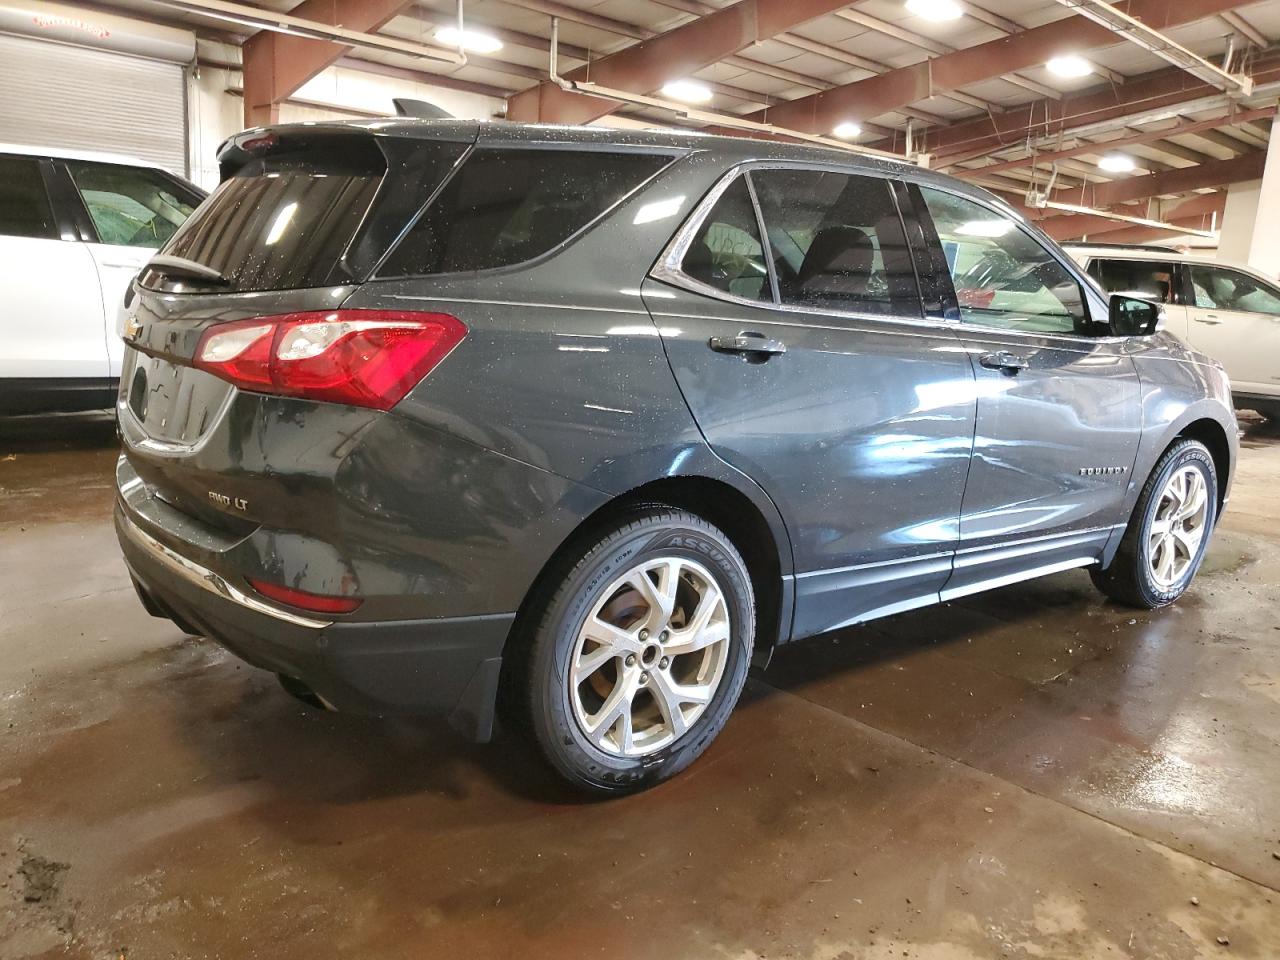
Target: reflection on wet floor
point(1034, 772)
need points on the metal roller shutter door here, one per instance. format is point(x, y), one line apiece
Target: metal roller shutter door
point(57, 95)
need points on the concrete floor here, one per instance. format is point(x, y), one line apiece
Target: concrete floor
point(1031, 773)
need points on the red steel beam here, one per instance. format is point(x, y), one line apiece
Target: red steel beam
point(1216, 174)
point(1152, 91)
point(277, 64)
point(646, 66)
point(867, 99)
point(1105, 146)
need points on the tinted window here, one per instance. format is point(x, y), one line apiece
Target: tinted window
point(836, 241)
point(1217, 288)
point(726, 253)
point(24, 204)
point(286, 219)
point(1004, 277)
point(1146, 279)
point(130, 206)
point(506, 206)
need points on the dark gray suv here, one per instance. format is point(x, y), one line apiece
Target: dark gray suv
point(571, 426)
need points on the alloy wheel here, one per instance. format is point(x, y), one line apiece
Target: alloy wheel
point(1178, 527)
point(649, 656)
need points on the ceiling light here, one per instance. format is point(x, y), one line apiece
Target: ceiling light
point(690, 91)
point(1116, 163)
point(474, 40)
point(1070, 66)
point(848, 130)
point(935, 9)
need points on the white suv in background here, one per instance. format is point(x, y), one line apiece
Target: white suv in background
point(74, 229)
point(1228, 311)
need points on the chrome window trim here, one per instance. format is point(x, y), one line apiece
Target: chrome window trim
point(667, 268)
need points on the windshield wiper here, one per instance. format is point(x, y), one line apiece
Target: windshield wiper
point(182, 267)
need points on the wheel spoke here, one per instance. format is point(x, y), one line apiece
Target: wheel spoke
point(1190, 540)
point(1196, 497)
point(618, 702)
point(672, 696)
point(660, 596)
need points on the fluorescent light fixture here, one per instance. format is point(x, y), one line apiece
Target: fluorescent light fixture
point(1070, 66)
point(985, 228)
point(687, 91)
point(848, 130)
point(476, 41)
point(935, 9)
point(1116, 163)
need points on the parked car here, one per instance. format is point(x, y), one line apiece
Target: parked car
point(74, 229)
point(574, 424)
point(1229, 311)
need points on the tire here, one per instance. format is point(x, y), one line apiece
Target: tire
point(598, 612)
point(1137, 576)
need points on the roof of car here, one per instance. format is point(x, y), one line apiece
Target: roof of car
point(1116, 251)
point(736, 148)
point(25, 149)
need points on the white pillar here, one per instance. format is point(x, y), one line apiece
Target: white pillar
point(1251, 218)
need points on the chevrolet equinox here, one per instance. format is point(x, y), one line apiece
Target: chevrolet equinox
point(571, 426)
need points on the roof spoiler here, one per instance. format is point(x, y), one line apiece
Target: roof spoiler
point(419, 109)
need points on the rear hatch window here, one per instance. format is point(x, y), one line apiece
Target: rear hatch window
point(509, 205)
point(303, 214)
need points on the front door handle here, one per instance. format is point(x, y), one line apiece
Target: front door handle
point(1208, 318)
point(751, 345)
point(1003, 360)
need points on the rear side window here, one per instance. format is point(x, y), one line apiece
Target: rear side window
point(288, 219)
point(837, 242)
point(726, 253)
point(24, 204)
point(1145, 279)
point(1217, 288)
point(506, 206)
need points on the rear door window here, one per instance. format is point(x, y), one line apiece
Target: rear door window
point(1145, 279)
point(506, 206)
point(132, 206)
point(24, 203)
point(836, 242)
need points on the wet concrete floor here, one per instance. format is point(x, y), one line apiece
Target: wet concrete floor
point(1030, 773)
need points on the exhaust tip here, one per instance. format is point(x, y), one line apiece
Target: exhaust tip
point(300, 691)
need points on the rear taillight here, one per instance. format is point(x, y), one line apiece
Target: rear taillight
point(366, 358)
point(315, 602)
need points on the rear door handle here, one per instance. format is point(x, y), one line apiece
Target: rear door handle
point(1208, 318)
point(1003, 360)
point(751, 344)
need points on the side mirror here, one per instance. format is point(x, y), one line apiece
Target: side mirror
point(1131, 317)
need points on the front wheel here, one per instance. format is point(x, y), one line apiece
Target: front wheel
point(641, 652)
point(1169, 532)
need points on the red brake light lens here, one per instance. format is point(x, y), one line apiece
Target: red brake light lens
point(315, 602)
point(366, 358)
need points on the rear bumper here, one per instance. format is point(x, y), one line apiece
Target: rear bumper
point(440, 667)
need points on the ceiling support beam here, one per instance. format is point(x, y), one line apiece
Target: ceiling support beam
point(1217, 174)
point(1144, 136)
point(277, 64)
point(1162, 92)
point(866, 99)
point(646, 66)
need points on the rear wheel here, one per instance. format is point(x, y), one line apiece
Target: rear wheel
point(1169, 532)
point(641, 652)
